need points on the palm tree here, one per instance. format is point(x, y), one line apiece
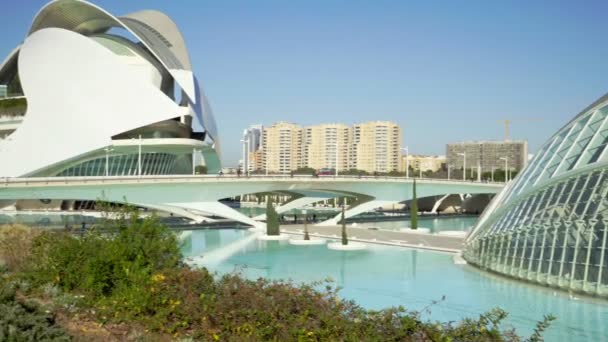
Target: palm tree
point(414, 208)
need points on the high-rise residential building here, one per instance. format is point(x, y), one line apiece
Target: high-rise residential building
point(371, 147)
point(326, 146)
point(488, 155)
point(252, 142)
point(422, 163)
point(282, 147)
point(375, 147)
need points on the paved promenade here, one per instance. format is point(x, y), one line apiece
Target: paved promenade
point(442, 243)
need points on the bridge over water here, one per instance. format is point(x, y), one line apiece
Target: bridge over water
point(197, 196)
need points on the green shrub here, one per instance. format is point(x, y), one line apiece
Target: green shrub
point(121, 252)
point(15, 245)
point(273, 227)
point(414, 208)
point(343, 223)
point(25, 320)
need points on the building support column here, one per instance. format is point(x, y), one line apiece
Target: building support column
point(361, 208)
point(297, 203)
point(438, 203)
point(197, 217)
point(219, 209)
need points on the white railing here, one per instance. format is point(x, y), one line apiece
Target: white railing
point(33, 181)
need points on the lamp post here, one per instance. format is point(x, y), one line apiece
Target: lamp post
point(108, 150)
point(407, 161)
point(493, 173)
point(139, 157)
point(506, 159)
point(464, 165)
point(448, 171)
point(243, 149)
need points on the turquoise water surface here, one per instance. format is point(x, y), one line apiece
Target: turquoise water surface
point(384, 276)
point(434, 223)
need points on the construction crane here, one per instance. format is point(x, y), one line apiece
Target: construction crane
point(507, 123)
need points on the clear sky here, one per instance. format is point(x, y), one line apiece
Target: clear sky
point(444, 70)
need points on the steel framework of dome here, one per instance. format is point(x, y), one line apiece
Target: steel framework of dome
point(550, 224)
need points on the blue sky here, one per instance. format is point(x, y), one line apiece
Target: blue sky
point(445, 71)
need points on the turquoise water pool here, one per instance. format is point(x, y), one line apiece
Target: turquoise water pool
point(386, 276)
point(434, 223)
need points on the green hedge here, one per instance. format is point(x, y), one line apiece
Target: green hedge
point(13, 106)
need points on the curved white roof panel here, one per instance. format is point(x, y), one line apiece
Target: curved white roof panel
point(104, 84)
point(160, 24)
point(86, 18)
point(155, 30)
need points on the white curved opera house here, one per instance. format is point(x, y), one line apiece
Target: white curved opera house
point(91, 94)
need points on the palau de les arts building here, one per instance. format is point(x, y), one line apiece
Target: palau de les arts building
point(85, 85)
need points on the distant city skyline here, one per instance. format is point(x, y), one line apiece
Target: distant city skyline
point(444, 72)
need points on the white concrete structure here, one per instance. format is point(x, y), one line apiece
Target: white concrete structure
point(199, 195)
point(97, 84)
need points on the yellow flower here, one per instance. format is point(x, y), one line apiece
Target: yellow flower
point(158, 277)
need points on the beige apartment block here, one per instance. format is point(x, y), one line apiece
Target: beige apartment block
point(375, 147)
point(282, 147)
point(371, 147)
point(422, 162)
point(326, 146)
point(256, 161)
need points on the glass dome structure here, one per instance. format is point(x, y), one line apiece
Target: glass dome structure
point(550, 224)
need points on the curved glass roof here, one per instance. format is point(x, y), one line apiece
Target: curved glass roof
point(113, 45)
point(577, 145)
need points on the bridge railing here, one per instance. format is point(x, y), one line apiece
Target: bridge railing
point(6, 181)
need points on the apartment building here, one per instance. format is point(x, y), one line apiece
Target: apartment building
point(326, 146)
point(375, 147)
point(282, 147)
point(285, 147)
point(488, 155)
point(252, 142)
point(422, 163)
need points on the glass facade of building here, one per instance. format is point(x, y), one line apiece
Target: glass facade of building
point(550, 225)
point(128, 165)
